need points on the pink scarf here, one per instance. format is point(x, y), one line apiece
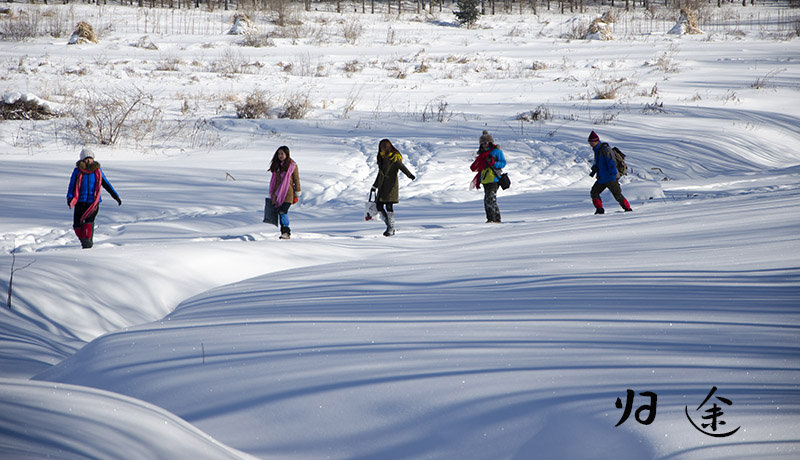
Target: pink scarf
point(278, 188)
point(98, 181)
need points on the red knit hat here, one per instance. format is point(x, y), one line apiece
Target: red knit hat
point(593, 137)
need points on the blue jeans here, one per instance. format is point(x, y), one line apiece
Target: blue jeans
point(283, 217)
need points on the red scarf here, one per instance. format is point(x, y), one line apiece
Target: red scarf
point(98, 181)
point(482, 161)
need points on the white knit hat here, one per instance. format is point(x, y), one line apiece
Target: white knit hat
point(86, 152)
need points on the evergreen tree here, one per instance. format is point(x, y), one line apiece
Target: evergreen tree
point(468, 11)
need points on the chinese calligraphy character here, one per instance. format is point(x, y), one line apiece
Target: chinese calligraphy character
point(714, 416)
point(650, 408)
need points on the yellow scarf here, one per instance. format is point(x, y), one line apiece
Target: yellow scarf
point(392, 156)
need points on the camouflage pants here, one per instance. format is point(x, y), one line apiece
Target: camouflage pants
point(490, 202)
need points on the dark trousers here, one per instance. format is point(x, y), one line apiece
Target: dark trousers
point(84, 228)
point(615, 190)
point(382, 204)
point(490, 202)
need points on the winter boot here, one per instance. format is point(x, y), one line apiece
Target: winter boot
point(626, 206)
point(85, 234)
point(286, 233)
point(389, 224)
point(598, 206)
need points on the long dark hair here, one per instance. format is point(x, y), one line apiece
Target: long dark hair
point(385, 145)
point(276, 165)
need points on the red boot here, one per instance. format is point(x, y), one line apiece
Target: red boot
point(598, 206)
point(626, 206)
point(87, 231)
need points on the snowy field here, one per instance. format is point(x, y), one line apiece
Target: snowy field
point(191, 331)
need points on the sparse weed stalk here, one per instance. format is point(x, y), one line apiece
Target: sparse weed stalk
point(353, 98)
point(730, 96)
point(607, 118)
point(654, 107)
point(541, 113)
point(764, 81)
point(436, 110)
point(351, 29)
point(666, 62)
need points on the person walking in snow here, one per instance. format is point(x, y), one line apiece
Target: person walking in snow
point(284, 187)
point(83, 195)
point(488, 160)
point(605, 167)
point(386, 189)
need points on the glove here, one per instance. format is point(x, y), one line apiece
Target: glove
point(69, 202)
point(591, 174)
point(373, 189)
point(413, 177)
point(119, 202)
point(296, 197)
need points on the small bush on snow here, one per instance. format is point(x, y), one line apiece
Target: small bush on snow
point(297, 106)
point(257, 104)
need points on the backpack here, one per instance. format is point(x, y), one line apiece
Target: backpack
point(619, 158)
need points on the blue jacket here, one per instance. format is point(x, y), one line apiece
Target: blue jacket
point(499, 163)
point(88, 184)
point(604, 163)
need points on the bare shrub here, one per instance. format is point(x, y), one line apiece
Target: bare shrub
point(169, 64)
point(257, 104)
point(655, 107)
point(20, 26)
point(296, 106)
point(257, 40)
point(230, 62)
point(666, 62)
point(397, 71)
point(352, 67)
point(104, 116)
point(436, 110)
point(351, 29)
point(609, 90)
point(146, 43)
point(576, 31)
point(56, 21)
point(538, 65)
point(541, 113)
